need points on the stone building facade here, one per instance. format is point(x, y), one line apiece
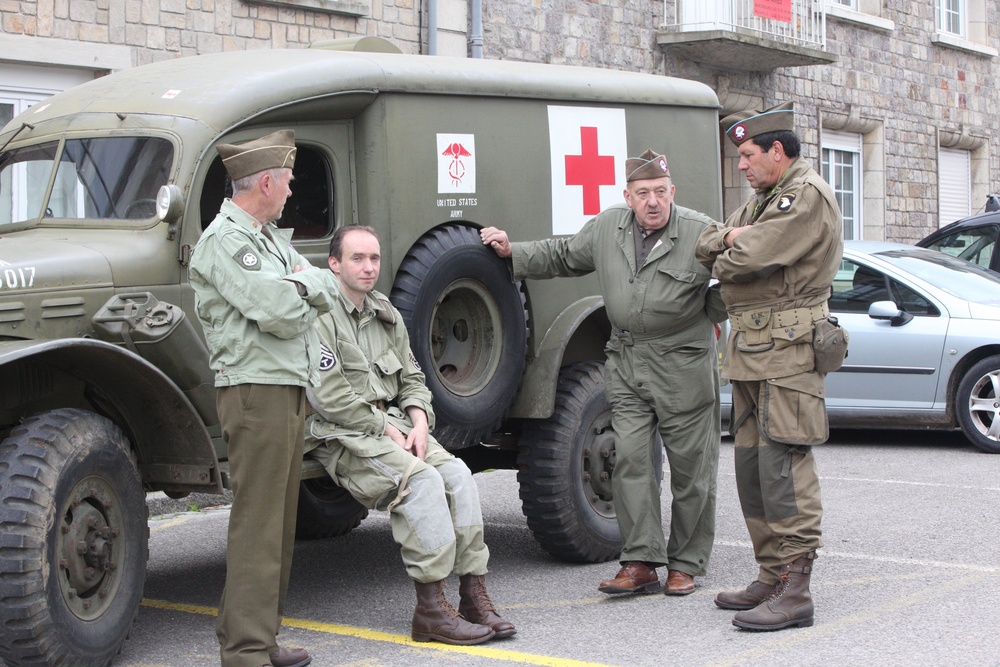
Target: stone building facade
point(894, 89)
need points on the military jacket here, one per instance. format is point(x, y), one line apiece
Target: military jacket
point(368, 376)
point(668, 294)
point(786, 260)
point(257, 325)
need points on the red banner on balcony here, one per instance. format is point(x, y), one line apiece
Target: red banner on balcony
point(779, 10)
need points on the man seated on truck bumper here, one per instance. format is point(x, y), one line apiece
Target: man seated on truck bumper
point(371, 432)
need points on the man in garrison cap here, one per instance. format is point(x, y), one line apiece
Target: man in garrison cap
point(661, 375)
point(776, 258)
point(257, 299)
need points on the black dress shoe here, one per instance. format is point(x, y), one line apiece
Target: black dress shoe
point(290, 657)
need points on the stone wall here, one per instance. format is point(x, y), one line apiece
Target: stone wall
point(905, 93)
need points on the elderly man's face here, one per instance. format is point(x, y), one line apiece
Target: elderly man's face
point(651, 199)
point(761, 166)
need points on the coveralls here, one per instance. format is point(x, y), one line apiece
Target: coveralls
point(264, 351)
point(661, 374)
point(776, 282)
point(369, 376)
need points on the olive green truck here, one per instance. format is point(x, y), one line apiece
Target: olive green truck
point(105, 388)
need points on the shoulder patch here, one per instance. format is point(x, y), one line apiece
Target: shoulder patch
point(247, 258)
point(326, 358)
point(413, 360)
point(785, 202)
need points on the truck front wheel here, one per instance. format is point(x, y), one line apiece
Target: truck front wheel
point(74, 536)
point(564, 471)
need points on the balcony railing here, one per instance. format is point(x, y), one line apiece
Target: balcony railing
point(793, 32)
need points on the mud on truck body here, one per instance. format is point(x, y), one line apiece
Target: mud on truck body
point(104, 377)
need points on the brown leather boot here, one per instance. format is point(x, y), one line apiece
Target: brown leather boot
point(477, 607)
point(788, 605)
point(747, 598)
point(435, 619)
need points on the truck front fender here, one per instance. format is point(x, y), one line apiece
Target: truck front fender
point(579, 333)
point(174, 449)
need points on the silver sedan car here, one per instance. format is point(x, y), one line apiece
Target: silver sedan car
point(925, 343)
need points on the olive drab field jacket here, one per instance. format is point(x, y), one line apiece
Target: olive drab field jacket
point(257, 322)
point(368, 376)
point(776, 278)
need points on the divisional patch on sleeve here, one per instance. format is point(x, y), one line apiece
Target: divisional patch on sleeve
point(247, 258)
point(413, 360)
point(785, 202)
point(326, 359)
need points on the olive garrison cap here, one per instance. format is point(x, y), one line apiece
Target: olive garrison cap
point(647, 165)
point(269, 152)
point(744, 125)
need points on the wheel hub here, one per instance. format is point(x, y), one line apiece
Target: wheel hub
point(984, 405)
point(464, 348)
point(89, 557)
point(598, 467)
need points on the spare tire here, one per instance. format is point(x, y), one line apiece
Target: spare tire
point(468, 330)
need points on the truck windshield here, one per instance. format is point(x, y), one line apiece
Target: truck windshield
point(113, 178)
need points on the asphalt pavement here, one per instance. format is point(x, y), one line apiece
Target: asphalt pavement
point(908, 576)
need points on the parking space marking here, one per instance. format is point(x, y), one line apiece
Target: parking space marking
point(169, 524)
point(376, 635)
point(830, 626)
point(988, 569)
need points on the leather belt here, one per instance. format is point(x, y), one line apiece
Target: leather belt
point(785, 318)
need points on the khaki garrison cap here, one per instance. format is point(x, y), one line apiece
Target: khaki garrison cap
point(271, 151)
point(744, 125)
point(647, 165)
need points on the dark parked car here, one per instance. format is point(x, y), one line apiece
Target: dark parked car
point(973, 238)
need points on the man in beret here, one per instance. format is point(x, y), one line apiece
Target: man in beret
point(776, 258)
point(257, 299)
point(662, 368)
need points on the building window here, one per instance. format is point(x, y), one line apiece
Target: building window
point(954, 185)
point(951, 17)
point(842, 170)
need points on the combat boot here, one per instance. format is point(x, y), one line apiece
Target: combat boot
point(476, 606)
point(788, 605)
point(744, 599)
point(435, 619)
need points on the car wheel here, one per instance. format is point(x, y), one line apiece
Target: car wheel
point(468, 330)
point(74, 537)
point(326, 510)
point(977, 404)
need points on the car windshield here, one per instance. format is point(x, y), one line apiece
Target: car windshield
point(113, 178)
point(955, 276)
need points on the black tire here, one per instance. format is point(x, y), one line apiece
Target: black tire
point(326, 510)
point(564, 471)
point(977, 404)
point(69, 482)
point(468, 330)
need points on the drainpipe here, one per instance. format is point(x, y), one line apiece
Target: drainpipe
point(432, 27)
point(477, 29)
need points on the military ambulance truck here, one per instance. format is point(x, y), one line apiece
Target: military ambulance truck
point(105, 388)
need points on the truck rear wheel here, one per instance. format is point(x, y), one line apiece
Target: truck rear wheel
point(468, 330)
point(326, 510)
point(564, 471)
point(74, 535)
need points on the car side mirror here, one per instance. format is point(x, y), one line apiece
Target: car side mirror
point(887, 310)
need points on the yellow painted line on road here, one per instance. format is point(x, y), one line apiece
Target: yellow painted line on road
point(402, 640)
point(169, 524)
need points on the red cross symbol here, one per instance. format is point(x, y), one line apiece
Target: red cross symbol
point(590, 170)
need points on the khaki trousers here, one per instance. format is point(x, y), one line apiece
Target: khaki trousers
point(263, 426)
point(778, 484)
